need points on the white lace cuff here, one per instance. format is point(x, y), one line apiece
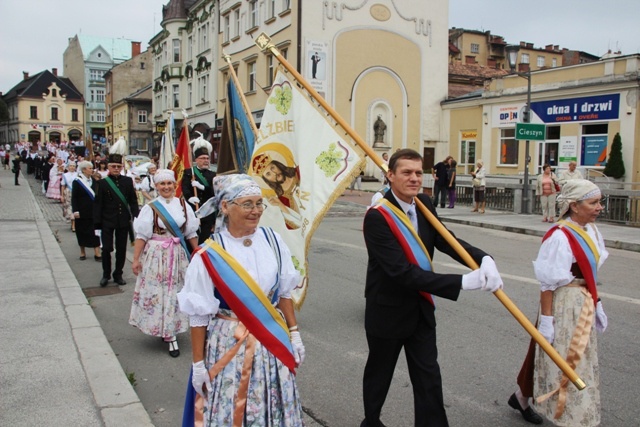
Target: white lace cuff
point(195, 320)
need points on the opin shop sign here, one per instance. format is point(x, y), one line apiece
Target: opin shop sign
point(590, 108)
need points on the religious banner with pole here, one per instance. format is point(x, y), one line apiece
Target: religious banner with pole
point(264, 42)
point(182, 158)
point(167, 148)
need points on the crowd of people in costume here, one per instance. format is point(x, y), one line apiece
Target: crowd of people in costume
point(204, 264)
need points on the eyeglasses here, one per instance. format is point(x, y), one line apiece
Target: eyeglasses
point(248, 206)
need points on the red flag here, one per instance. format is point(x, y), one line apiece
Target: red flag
point(182, 158)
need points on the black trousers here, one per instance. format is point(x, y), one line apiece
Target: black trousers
point(16, 175)
point(422, 360)
point(440, 190)
point(121, 239)
point(206, 228)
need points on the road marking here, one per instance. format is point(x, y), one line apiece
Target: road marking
point(463, 268)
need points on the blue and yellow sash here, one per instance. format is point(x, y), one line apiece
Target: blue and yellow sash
point(171, 224)
point(248, 301)
point(408, 238)
point(585, 252)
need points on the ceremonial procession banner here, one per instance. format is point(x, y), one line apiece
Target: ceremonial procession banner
point(182, 158)
point(167, 149)
point(303, 164)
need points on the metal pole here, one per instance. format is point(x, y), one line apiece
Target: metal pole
point(527, 119)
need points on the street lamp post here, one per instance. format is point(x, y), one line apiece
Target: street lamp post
point(512, 56)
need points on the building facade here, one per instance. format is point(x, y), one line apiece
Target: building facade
point(42, 108)
point(582, 107)
point(85, 60)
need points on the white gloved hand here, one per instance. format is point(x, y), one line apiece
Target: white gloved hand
point(545, 327)
point(197, 185)
point(490, 271)
point(200, 377)
point(474, 280)
point(601, 318)
point(194, 200)
point(298, 348)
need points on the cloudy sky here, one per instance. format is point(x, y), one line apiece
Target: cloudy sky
point(34, 33)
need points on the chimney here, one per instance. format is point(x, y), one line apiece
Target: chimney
point(25, 75)
point(54, 71)
point(135, 49)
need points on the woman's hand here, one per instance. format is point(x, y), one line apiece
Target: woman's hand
point(298, 348)
point(200, 378)
point(136, 267)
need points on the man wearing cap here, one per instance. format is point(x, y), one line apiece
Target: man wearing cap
point(114, 209)
point(203, 185)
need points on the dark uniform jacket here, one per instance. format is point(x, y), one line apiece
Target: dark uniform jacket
point(394, 305)
point(187, 188)
point(81, 200)
point(108, 209)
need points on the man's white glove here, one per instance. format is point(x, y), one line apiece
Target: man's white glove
point(200, 377)
point(298, 348)
point(194, 200)
point(474, 280)
point(545, 327)
point(197, 185)
point(601, 318)
point(490, 271)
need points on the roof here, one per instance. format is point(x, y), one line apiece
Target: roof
point(143, 94)
point(119, 49)
point(39, 83)
point(457, 68)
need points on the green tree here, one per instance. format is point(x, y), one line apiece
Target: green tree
point(615, 164)
point(4, 111)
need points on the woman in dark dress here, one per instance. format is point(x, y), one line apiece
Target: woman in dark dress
point(82, 197)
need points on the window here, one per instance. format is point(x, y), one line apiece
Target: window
point(270, 70)
point(176, 96)
point(475, 48)
point(189, 48)
point(271, 8)
point(74, 115)
point(54, 113)
point(176, 50)
point(286, 4)
point(204, 44)
point(165, 54)
point(142, 65)
point(96, 75)
point(541, 61)
point(236, 21)
point(100, 95)
point(594, 144)
point(227, 28)
point(253, 13)
point(165, 97)
point(33, 112)
point(54, 93)
point(554, 62)
point(467, 155)
point(203, 83)
point(142, 116)
point(284, 53)
point(92, 95)
point(251, 73)
point(189, 95)
point(109, 85)
point(158, 105)
point(508, 147)
point(100, 116)
point(524, 58)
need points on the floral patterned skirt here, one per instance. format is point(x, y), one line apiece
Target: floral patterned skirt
point(272, 396)
point(67, 212)
point(53, 189)
point(154, 309)
point(582, 407)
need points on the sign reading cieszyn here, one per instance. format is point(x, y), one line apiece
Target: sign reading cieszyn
point(530, 131)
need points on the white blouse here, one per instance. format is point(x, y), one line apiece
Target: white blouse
point(143, 224)
point(553, 265)
point(197, 298)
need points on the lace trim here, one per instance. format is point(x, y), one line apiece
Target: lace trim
point(197, 320)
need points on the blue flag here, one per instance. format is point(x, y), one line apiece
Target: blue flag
point(240, 131)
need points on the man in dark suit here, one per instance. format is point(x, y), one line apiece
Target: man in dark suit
point(113, 216)
point(397, 315)
point(203, 182)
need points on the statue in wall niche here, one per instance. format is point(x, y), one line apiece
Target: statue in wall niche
point(379, 128)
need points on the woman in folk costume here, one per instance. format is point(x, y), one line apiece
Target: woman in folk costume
point(244, 333)
point(570, 314)
point(166, 233)
point(55, 180)
point(82, 197)
point(66, 186)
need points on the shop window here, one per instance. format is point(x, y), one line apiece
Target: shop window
point(508, 147)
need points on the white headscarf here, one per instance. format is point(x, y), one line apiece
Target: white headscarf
point(576, 190)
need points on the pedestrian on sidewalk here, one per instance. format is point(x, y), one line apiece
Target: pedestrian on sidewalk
point(451, 186)
point(82, 198)
point(479, 183)
point(440, 186)
point(357, 182)
point(570, 313)
point(115, 207)
point(166, 234)
point(16, 168)
point(246, 319)
point(546, 188)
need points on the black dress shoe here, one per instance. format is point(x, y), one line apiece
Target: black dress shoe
point(174, 351)
point(528, 414)
point(365, 424)
point(104, 281)
point(120, 281)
